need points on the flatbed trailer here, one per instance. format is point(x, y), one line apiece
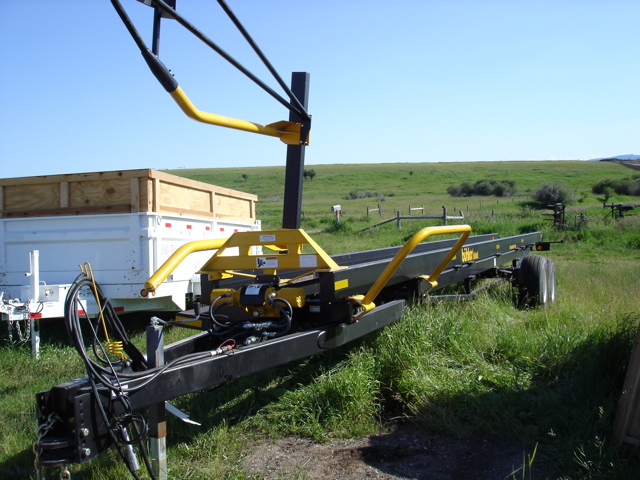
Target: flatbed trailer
point(331, 311)
point(268, 298)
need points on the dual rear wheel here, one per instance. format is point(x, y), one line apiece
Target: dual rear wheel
point(536, 281)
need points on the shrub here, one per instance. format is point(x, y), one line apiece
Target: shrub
point(599, 187)
point(455, 191)
point(483, 187)
point(339, 227)
point(354, 194)
point(548, 194)
point(623, 186)
point(462, 190)
point(502, 188)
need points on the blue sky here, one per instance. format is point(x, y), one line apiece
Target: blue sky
point(391, 81)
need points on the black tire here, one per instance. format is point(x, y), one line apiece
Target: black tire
point(533, 282)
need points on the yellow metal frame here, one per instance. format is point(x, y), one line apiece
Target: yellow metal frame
point(288, 245)
point(287, 132)
point(366, 301)
point(175, 259)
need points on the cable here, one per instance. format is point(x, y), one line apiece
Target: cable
point(103, 371)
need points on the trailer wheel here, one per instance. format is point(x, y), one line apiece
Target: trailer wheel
point(551, 280)
point(533, 282)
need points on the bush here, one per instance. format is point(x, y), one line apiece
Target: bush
point(354, 195)
point(549, 194)
point(623, 186)
point(487, 187)
point(483, 187)
point(339, 227)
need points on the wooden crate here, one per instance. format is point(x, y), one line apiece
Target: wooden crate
point(126, 191)
point(626, 427)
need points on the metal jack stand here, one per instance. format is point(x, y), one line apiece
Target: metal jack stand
point(157, 412)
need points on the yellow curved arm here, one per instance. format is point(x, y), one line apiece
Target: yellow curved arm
point(176, 258)
point(366, 301)
point(287, 132)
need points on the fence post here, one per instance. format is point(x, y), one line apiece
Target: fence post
point(398, 218)
point(444, 215)
point(369, 210)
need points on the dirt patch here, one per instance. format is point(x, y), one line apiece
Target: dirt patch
point(633, 164)
point(406, 453)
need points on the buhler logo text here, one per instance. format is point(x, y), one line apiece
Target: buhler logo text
point(469, 255)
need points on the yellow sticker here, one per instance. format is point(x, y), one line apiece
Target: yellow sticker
point(340, 284)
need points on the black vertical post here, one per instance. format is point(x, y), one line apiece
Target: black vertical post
point(157, 18)
point(295, 156)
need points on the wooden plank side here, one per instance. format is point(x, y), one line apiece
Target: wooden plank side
point(176, 196)
point(232, 207)
point(187, 182)
point(134, 185)
point(31, 197)
point(75, 177)
point(64, 194)
point(70, 211)
point(100, 193)
point(146, 194)
point(141, 190)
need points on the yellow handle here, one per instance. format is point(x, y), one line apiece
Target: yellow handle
point(287, 132)
point(366, 301)
point(176, 258)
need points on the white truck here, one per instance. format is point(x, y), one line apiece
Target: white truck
point(123, 225)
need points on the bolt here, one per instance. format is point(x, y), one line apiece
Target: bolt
point(84, 432)
point(86, 452)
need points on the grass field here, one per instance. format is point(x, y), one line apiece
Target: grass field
point(396, 186)
point(550, 378)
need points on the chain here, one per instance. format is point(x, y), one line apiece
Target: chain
point(43, 429)
point(23, 333)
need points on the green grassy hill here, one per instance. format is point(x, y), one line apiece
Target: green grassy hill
point(396, 186)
